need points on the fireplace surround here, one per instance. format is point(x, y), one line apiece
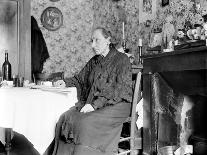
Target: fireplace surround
point(182, 76)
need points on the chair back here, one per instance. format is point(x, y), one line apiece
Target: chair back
point(135, 142)
point(48, 76)
point(136, 98)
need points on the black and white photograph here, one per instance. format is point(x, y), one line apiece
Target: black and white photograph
point(103, 77)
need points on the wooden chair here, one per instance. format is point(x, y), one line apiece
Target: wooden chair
point(135, 142)
point(48, 76)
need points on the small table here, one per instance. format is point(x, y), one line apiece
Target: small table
point(34, 112)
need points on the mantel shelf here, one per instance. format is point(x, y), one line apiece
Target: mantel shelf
point(177, 52)
point(186, 59)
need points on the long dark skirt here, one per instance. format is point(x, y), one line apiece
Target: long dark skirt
point(93, 133)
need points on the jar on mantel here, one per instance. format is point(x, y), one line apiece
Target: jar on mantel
point(6, 68)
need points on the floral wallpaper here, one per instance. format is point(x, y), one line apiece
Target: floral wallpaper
point(70, 46)
point(111, 14)
point(182, 11)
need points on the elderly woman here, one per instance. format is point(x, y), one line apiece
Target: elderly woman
point(104, 87)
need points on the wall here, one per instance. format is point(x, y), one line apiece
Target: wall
point(70, 48)
point(113, 14)
point(8, 31)
point(15, 36)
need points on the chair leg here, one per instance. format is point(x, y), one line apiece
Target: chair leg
point(8, 140)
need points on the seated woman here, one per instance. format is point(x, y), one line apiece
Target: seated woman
point(104, 87)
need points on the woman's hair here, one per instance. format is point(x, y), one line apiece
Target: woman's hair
point(106, 35)
point(104, 32)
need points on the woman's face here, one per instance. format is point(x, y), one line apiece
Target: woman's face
point(99, 43)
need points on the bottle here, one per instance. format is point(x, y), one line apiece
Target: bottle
point(6, 68)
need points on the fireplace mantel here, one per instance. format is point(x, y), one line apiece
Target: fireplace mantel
point(186, 59)
point(184, 70)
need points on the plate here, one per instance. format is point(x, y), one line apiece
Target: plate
point(56, 89)
point(51, 89)
point(52, 18)
point(45, 87)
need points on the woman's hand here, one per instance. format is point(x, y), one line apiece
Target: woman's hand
point(87, 108)
point(59, 83)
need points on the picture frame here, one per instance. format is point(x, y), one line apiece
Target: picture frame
point(52, 18)
point(147, 10)
point(165, 2)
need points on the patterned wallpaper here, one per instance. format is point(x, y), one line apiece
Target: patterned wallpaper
point(113, 14)
point(70, 46)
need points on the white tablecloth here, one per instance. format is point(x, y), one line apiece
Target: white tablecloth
point(34, 112)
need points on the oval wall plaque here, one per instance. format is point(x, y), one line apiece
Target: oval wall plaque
point(52, 18)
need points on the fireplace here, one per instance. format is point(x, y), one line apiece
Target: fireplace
point(175, 100)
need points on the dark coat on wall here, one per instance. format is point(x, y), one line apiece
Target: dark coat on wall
point(39, 52)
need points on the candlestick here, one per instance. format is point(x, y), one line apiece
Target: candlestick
point(124, 45)
point(123, 30)
point(140, 54)
point(140, 42)
point(140, 51)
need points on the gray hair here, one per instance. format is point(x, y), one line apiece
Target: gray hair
point(104, 32)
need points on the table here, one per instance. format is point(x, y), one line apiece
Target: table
point(34, 112)
point(184, 70)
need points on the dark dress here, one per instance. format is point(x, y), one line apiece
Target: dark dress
point(106, 84)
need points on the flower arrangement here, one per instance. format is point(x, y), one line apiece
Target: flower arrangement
point(181, 11)
point(185, 15)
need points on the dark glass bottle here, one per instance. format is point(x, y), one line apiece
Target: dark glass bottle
point(6, 68)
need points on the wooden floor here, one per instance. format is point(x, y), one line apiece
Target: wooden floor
point(20, 146)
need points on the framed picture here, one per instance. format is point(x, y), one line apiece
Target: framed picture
point(147, 10)
point(52, 18)
point(165, 2)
